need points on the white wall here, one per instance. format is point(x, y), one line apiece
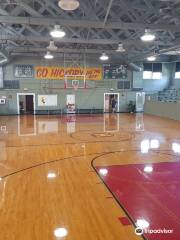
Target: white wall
point(163, 109)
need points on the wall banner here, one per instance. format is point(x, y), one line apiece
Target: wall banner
point(58, 73)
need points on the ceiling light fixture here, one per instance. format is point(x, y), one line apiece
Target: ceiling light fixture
point(68, 5)
point(151, 58)
point(120, 48)
point(52, 46)
point(57, 32)
point(3, 60)
point(148, 36)
point(48, 55)
point(104, 57)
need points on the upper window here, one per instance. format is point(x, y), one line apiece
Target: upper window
point(156, 75)
point(177, 73)
point(152, 71)
point(147, 74)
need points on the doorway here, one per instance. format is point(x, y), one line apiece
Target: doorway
point(140, 101)
point(25, 103)
point(108, 98)
point(70, 103)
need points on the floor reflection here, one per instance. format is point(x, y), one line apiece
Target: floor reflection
point(111, 122)
point(139, 122)
point(50, 126)
point(27, 126)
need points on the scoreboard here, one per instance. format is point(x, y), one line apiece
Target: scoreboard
point(114, 71)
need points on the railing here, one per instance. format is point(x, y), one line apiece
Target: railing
point(64, 111)
point(169, 95)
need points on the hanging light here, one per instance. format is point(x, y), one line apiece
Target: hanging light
point(148, 36)
point(52, 46)
point(68, 5)
point(48, 55)
point(104, 57)
point(3, 60)
point(151, 58)
point(57, 32)
point(120, 48)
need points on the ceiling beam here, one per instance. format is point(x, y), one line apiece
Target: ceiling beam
point(24, 51)
point(60, 50)
point(114, 58)
point(46, 21)
point(142, 56)
point(107, 12)
point(44, 39)
point(28, 8)
point(97, 41)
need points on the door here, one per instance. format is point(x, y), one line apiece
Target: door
point(70, 103)
point(108, 98)
point(29, 104)
point(140, 100)
point(25, 103)
point(106, 103)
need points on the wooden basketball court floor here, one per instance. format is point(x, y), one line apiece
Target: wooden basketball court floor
point(89, 177)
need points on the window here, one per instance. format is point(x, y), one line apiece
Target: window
point(152, 71)
point(11, 84)
point(147, 74)
point(156, 75)
point(123, 85)
point(177, 73)
point(157, 71)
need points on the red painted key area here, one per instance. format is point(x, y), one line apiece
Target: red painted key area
point(151, 194)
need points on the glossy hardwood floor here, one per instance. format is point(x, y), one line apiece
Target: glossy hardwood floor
point(49, 188)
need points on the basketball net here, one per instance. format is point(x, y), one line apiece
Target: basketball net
point(75, 84)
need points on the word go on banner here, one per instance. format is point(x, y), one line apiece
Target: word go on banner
point(59, 73)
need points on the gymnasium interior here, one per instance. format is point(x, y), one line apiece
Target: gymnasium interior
point(89, 119)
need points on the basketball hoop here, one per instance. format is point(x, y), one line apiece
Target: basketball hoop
point(75, 84)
